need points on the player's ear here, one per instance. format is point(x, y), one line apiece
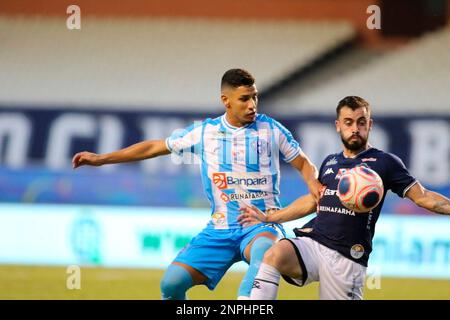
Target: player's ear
point(225, 100)
point(338, 128)
point(370, 124)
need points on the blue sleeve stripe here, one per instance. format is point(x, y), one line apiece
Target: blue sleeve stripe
point(294, 155)
point(284, 131)
point(204, 171)
point(251, 155)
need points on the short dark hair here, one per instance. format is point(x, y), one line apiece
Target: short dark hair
point(237, 77)
point(352, 102)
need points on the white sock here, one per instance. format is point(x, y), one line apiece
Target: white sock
point(265, 286)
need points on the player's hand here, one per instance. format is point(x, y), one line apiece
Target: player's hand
point(316, 189)
point(86, 158)
point(250, 216)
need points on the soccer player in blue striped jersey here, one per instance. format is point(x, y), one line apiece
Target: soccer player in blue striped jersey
point(238, 153)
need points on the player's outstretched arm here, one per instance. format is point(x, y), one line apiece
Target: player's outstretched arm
point(298, 209)
point(309, 173)
point(429, 200)
point(139, 151)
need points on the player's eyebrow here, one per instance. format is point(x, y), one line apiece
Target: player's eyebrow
point(249, 95)
point(351, 119)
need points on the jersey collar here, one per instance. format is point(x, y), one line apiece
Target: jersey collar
point(228, 126)
point(359, 154)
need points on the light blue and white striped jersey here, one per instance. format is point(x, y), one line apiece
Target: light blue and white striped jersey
point(239, 166)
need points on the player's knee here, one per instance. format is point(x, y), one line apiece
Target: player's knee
point(276, 256)
point(167, 286)
point(260, 247)
point(270, 256)
point(175, 282)
point(171, 288)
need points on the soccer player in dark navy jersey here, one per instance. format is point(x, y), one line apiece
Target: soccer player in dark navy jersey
point(345, 228)
point(335, 246)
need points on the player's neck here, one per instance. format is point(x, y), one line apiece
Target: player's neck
point(353, 153)
point(233, 121)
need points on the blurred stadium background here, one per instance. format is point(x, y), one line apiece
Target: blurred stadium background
point(141, 69)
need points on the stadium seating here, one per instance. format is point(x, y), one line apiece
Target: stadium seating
point(133, 62)
point(413, 78)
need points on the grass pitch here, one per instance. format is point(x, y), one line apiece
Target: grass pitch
point(42, 282)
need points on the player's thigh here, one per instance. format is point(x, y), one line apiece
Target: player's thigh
point(340, 278)
point(210, 253)
point(305, 254)
point(283, 256)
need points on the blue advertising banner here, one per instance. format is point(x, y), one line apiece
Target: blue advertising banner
point(37, 145)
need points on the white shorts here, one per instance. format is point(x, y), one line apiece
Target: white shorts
point(340, 278)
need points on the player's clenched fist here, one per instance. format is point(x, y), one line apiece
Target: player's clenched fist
point(86, 158)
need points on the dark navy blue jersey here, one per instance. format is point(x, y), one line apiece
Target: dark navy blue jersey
point(341, 229)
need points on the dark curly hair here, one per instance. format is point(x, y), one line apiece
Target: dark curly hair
point(352, 102)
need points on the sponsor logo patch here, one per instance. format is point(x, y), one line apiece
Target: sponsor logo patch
point(232, 180)
point(357, 251)
point(218, 219)
point(329, 192)
point(248, 195)
point(220, 180)
point(331, 162)
point(336, 210)
point(224, 197)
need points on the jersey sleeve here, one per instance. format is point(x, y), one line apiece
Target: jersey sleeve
point(185, 140)
point(399, 180)
point(289, 147)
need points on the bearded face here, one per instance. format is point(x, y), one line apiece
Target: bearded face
point(353, 127)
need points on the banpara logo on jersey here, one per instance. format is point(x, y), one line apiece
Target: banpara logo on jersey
point(231, 180)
